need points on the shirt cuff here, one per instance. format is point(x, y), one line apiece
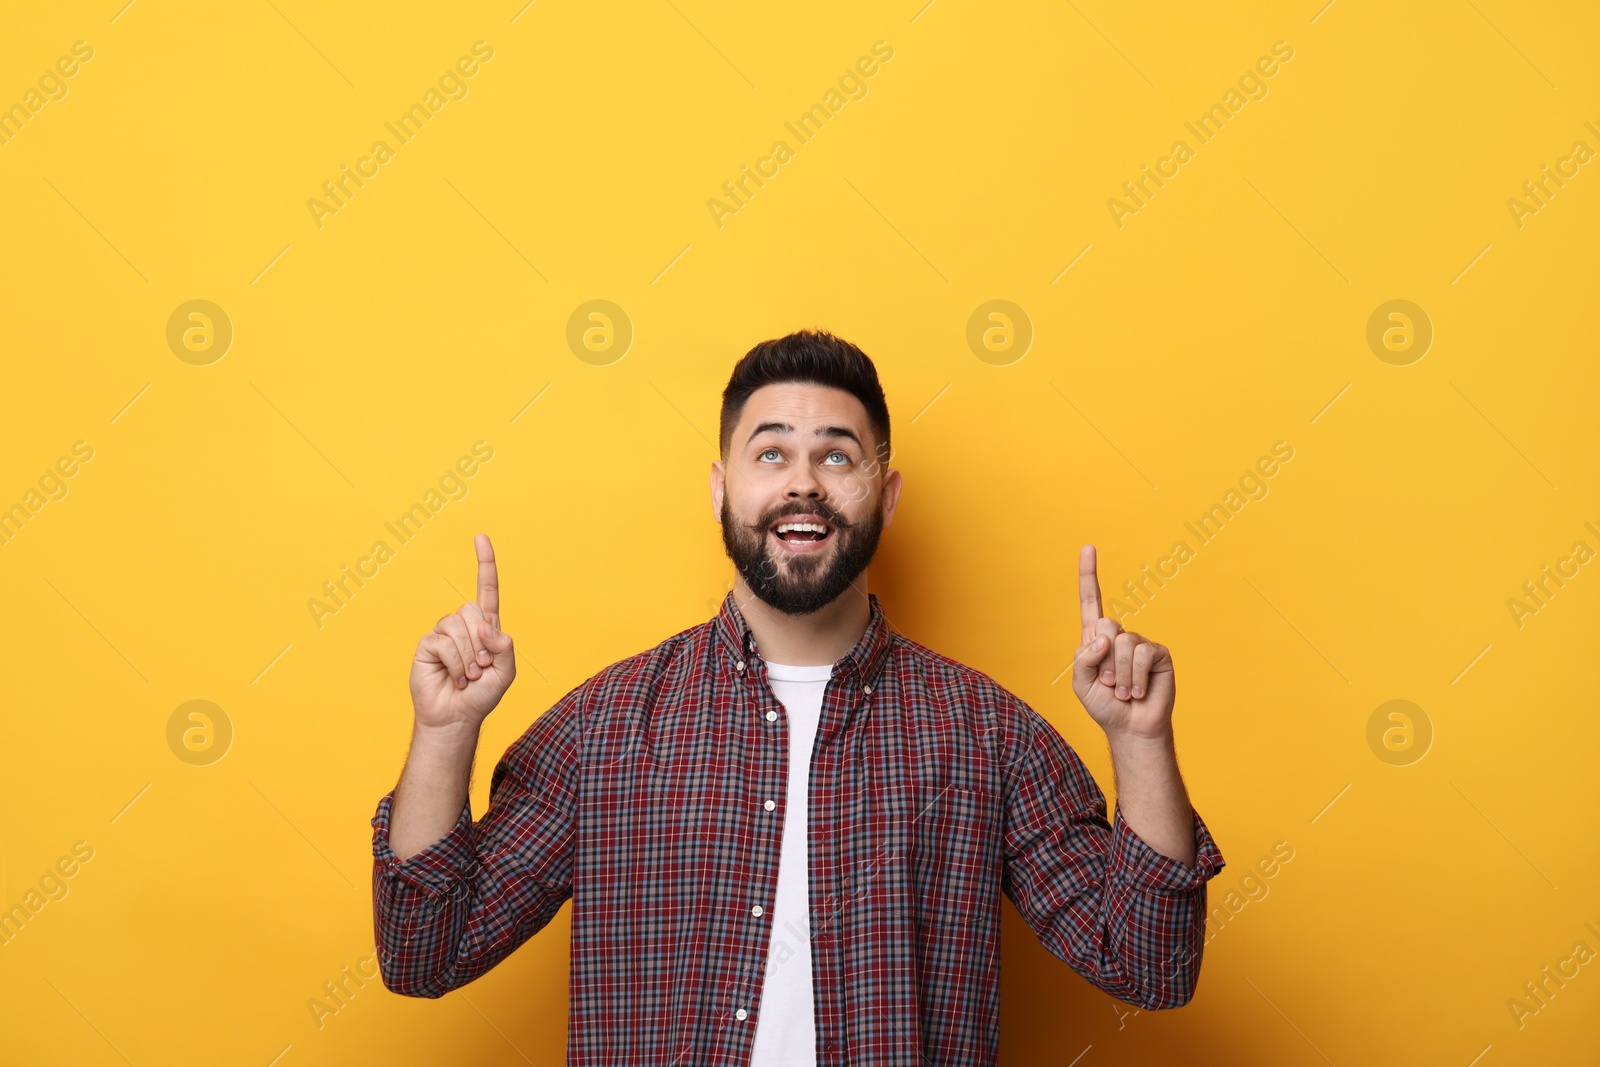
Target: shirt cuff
point(437, 867)
point(1143, 867)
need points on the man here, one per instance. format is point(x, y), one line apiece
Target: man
point(785, 831)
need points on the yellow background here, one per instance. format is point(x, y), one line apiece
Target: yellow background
point(431, 312)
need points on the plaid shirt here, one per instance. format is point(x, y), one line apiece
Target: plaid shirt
point(653, 795)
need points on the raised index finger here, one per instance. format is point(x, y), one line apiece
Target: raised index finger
point(488, 580)
point(1088, 591)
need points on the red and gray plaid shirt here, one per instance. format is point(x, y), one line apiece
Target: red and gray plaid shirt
point(653, 796)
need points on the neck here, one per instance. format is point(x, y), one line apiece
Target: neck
point(814, 640)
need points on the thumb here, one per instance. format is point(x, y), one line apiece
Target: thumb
point(1086, 665)
point(498, 642)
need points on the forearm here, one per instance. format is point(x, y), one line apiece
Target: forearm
point(1151, 795)
point(1127, 917)
point(433, 787)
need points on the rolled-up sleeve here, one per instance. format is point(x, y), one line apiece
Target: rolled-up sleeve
point(1126, 917)
point(447, 914)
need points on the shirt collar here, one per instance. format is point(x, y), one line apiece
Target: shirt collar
point(738, 642)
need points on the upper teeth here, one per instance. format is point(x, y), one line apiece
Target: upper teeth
point(815, 527)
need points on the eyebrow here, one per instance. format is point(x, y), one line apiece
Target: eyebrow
point(822, 431)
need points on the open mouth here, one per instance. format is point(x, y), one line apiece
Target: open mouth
point(801, 533)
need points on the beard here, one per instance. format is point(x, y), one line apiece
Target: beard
point(800, 584)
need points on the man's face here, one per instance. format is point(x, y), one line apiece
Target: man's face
point(802, 454)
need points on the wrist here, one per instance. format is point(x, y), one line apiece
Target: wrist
point(1130, 740)
point(445, 737)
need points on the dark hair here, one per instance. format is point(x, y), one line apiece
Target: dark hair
point(812, 357)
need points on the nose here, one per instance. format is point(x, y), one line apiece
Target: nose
point(803, 482)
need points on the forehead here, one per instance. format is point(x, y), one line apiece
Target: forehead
point(802, 406)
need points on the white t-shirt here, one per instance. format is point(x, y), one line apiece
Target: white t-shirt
point(786, 1034)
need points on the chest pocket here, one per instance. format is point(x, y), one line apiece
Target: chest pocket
point(954, 853)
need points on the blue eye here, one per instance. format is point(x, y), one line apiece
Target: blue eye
point(843, 455)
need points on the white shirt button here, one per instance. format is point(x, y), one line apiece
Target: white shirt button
point(867, 689)
point(756, 911)
point(739, 666)
point(772, 716)
point(741, 1015)
point(769, 805)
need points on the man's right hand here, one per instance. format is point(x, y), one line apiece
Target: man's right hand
point(465, 665)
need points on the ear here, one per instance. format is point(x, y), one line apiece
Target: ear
point(891, 495)
point(719, 487)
